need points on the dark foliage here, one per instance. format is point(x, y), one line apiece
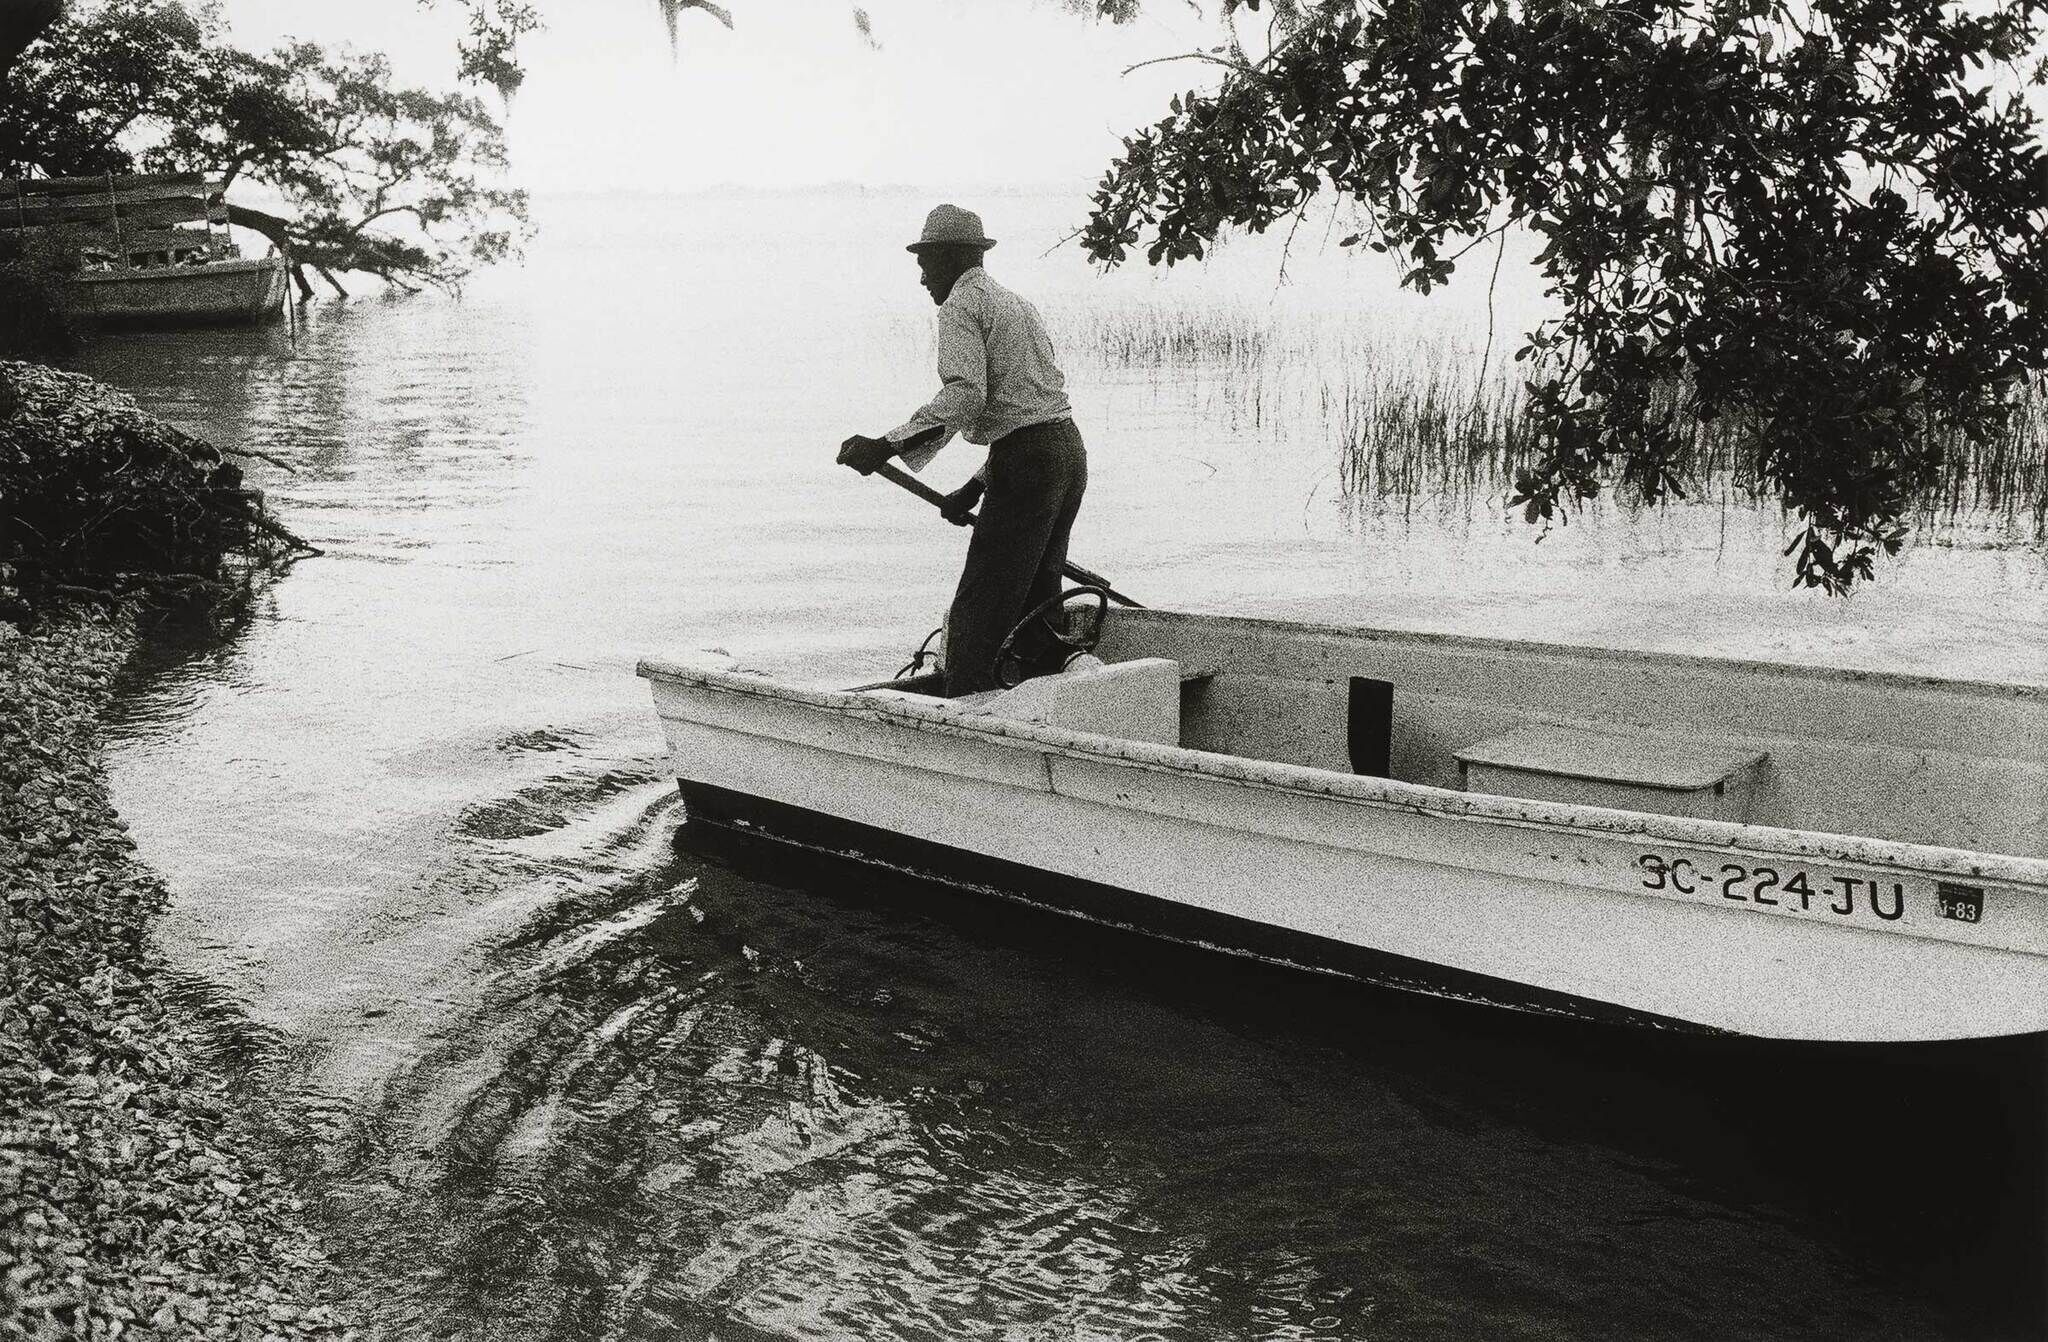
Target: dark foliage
point(1818, 226)
point(98, 499)
point(35, 320)
point(92, 76)
point(384, 179)
point(22, 22)
point(394, 181)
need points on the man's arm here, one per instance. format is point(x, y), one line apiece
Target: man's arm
point(963, 387)
point(959, 505)
point(866, 454)
point(963, 392)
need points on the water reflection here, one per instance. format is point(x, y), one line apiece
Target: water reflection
point(738, 1094)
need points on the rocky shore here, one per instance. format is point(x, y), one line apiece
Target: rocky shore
point(138, 1198)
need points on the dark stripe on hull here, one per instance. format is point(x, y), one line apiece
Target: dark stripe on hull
point(184, 321)
point(1127, 909)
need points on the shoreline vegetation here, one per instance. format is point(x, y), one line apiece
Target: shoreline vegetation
point(138, 1194)
point(100, 502)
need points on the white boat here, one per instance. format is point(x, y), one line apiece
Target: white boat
point(1670, 841)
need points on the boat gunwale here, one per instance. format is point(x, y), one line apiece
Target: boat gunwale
point(1900, 680)
point(2005, 869)
point(237, 265)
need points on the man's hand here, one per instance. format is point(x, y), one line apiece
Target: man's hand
point(960, 503)
point(864, 454)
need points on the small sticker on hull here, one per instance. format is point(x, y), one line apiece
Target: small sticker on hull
point(1964, 903)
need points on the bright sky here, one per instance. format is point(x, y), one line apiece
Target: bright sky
point(962, 92)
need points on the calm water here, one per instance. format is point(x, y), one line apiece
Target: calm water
point(570, 1074)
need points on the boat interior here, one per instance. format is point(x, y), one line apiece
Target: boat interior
point(1955, 764)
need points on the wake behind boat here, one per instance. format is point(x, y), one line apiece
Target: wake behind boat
point(1669, 841)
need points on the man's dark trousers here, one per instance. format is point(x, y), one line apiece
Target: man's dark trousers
point(1036, 476)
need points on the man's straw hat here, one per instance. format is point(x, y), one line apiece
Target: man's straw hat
point(949, 224)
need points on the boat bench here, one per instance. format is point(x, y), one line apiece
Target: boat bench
point(1616, 766)
point(1138, 700)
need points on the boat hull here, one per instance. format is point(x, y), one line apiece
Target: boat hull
point(1631, 913)
point(1659, 917)
point(977, 874)
point(216, 293)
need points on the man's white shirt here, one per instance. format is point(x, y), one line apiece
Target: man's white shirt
point(996, 370)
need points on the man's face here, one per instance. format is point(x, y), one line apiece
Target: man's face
point(935, 272)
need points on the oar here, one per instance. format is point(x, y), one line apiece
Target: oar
point(1088, 577)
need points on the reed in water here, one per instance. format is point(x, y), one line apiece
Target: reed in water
point(1421, 419)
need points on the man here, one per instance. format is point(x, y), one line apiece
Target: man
point(1000, 387)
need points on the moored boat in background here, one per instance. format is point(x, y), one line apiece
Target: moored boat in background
point(228, 291)
point(142, 262)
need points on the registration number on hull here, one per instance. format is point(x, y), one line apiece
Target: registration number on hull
point(1798, 890)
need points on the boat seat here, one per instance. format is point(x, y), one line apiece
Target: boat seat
point(1616, 766)
point(1138, 700)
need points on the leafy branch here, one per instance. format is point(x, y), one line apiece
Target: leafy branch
point(1815, 223)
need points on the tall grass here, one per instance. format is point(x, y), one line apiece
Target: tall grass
point(1415, 420)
